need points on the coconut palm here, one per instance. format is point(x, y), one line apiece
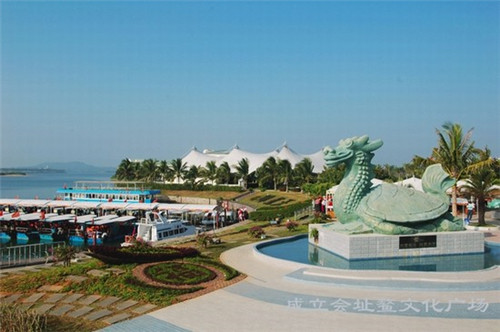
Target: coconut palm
point(285, 172)
point(224, 173)
point(242, 170)
point(269, 172)
point(149, 170)
point(165, 172)
point(191, 175)
point(481, 179)
point(455, 152)
point(210, 171)
point(304, 171)
point(179, 169)
point(417, 166)
point(126, 170)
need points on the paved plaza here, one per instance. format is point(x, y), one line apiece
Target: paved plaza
point(285, 296)
point(279, 295)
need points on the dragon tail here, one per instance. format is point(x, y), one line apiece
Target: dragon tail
point(436, 181)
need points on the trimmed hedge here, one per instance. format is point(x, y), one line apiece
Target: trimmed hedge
point(198, 187)
point(284, 212)
point(116, 255)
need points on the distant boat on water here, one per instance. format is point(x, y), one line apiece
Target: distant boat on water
point(108, 191)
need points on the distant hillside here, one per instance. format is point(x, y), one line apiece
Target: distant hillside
point(75, 167)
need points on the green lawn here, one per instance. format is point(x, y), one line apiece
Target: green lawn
point(274, 199)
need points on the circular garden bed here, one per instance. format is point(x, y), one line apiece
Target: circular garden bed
point(177, 273)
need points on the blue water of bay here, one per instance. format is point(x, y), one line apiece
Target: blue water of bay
point(43, 185)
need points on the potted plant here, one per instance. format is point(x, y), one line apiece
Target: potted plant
point(315, 234)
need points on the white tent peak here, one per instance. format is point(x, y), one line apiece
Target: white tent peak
point(236, 154)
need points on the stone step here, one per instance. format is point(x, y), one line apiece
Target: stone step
point(55, 297)
point(89, 299)
point(107, 301)
point(116, 318)
point(71, 298)
point(76, 279)
point(125, 305)
point(33, 298)
point(11, 299)
point(144, 308)
point(98, 314)
point(50, 288)
point(59, 311)
point(42, 309)
point(80, 312)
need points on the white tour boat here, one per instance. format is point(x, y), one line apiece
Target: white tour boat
point(157, 227)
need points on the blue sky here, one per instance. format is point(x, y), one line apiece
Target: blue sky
point(101, 81)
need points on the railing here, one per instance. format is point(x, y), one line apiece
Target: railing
point(27, 254)
point(307, 211)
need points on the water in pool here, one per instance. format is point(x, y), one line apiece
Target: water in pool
point(299, 250)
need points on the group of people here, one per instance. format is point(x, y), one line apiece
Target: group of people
point(242, 214)
point(321, 203)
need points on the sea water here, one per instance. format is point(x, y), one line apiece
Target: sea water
point(44, 185)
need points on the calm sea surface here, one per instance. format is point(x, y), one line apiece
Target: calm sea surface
point(43, 185)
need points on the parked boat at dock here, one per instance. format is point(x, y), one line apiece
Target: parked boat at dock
point(156, 227)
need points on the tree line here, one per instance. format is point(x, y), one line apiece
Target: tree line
point(455, 151)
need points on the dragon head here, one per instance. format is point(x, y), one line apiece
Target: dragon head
point(347, 149)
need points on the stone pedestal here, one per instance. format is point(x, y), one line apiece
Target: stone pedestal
point(373, 246)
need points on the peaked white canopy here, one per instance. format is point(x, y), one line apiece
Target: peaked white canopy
point(255, 160)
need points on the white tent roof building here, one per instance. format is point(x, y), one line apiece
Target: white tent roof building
point(255, 160)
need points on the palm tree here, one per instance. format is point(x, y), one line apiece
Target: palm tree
point(224, 173)
point(165, 171)
point(126, 170)
point(304, 171)
point(242, 170)
point(269, 171)
point(455, 152)
point(191, 175)
point(417, 166)
point(179, 168)
point(149, 170)
point(210, 171)
point(482, 178)
point(285, 172)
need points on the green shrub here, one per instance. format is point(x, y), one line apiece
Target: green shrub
point(271, 213)
point(314, 234)
point(203, 239)
point(139, 254)
point(65, 254)
point(291, 225)
point(14, 319)
point(188, 186)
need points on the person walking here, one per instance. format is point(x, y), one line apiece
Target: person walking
point(470, 211)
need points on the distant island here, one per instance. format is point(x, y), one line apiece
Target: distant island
point(56, 167)
point(26, 171)
point(10, 173)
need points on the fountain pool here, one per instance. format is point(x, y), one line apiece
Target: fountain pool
point(298, 249)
